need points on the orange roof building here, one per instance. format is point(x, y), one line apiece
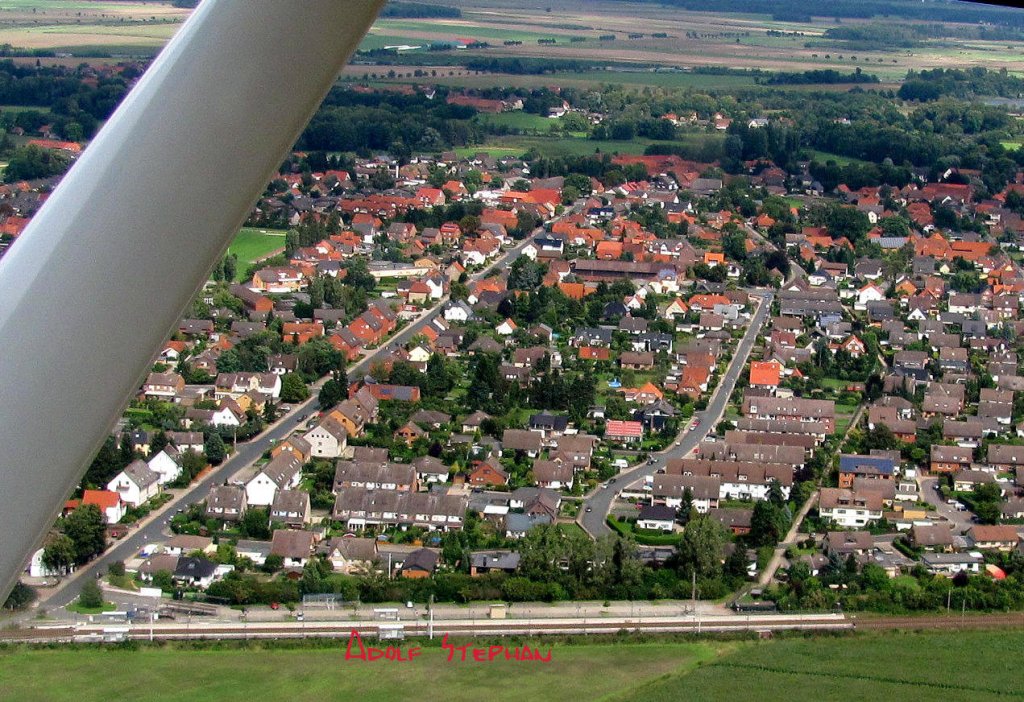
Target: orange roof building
point(765, 373)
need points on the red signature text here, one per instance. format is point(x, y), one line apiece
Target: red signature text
point(357, 651)
point(469, 652)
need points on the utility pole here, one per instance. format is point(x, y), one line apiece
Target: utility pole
point(430, 623)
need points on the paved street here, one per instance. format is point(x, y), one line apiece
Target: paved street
point(600, 501)
point(961, 520)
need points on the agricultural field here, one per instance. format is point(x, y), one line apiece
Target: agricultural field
point(686, 39)
point(279, 674)
point(89, 28)
point(894, 665)
point(904, 666)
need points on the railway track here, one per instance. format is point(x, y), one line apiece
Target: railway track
point(498, 627)
point(501, 627)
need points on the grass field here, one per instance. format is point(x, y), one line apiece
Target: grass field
point(253, 244)
point(323, 674)
point(825, 157)
point(903, 666)
point(907, 666)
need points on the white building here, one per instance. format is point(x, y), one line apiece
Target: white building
point(136, 483)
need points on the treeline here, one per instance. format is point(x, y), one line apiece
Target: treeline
point(939, 82)
point(77, 106)
point(418, 9)
point(9, 50)
point(349, 121)
point(877, 35)
point(529, 66)
point(825, 77)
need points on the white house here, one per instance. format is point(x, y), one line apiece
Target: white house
point(328, 439)
point(225, 416)
point(507, 328)
point(136, 483)
point(419, 354)
point(848, 508)
point(869, 293)
point(657, 517)
point(282, 473)
point(457, 312)
point(166, 464)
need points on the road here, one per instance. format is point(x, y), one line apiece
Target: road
point(155, 527)
point(599, 502)
point(960, 520)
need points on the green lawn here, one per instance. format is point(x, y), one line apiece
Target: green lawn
point(825, 157)
point(1011, 145)
point(81, 609)
point(253, 244)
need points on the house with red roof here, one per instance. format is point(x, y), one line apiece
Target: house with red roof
point(300, 332)
point(625, 432)
point(109, 502)
point(765, 374)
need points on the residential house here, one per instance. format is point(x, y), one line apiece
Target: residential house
point(225, 503)
point(136, 483)
point(283, 472)
point(294, 546)
point(291, 507)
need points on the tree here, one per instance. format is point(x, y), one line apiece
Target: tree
point(768, 524)
point(21, 596)
point(33, 162)
point(59, 555)
point(87, 529)
point(734, 244)
point(91, 595)
point(333, 391)
point(215, 449)
point(293, 389)
point(700, 549)
point(987, 499)
point(255, 523)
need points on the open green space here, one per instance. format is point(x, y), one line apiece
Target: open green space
point(908, 666)
point(825, 157)
point(518, 119)
point(253, 244)
point(323, 674)
point(896, 665)
point(1011, 145)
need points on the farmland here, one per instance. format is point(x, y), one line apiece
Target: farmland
point(277, 674)
point(684, 40)
point(902, 666)
point(907, 666)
